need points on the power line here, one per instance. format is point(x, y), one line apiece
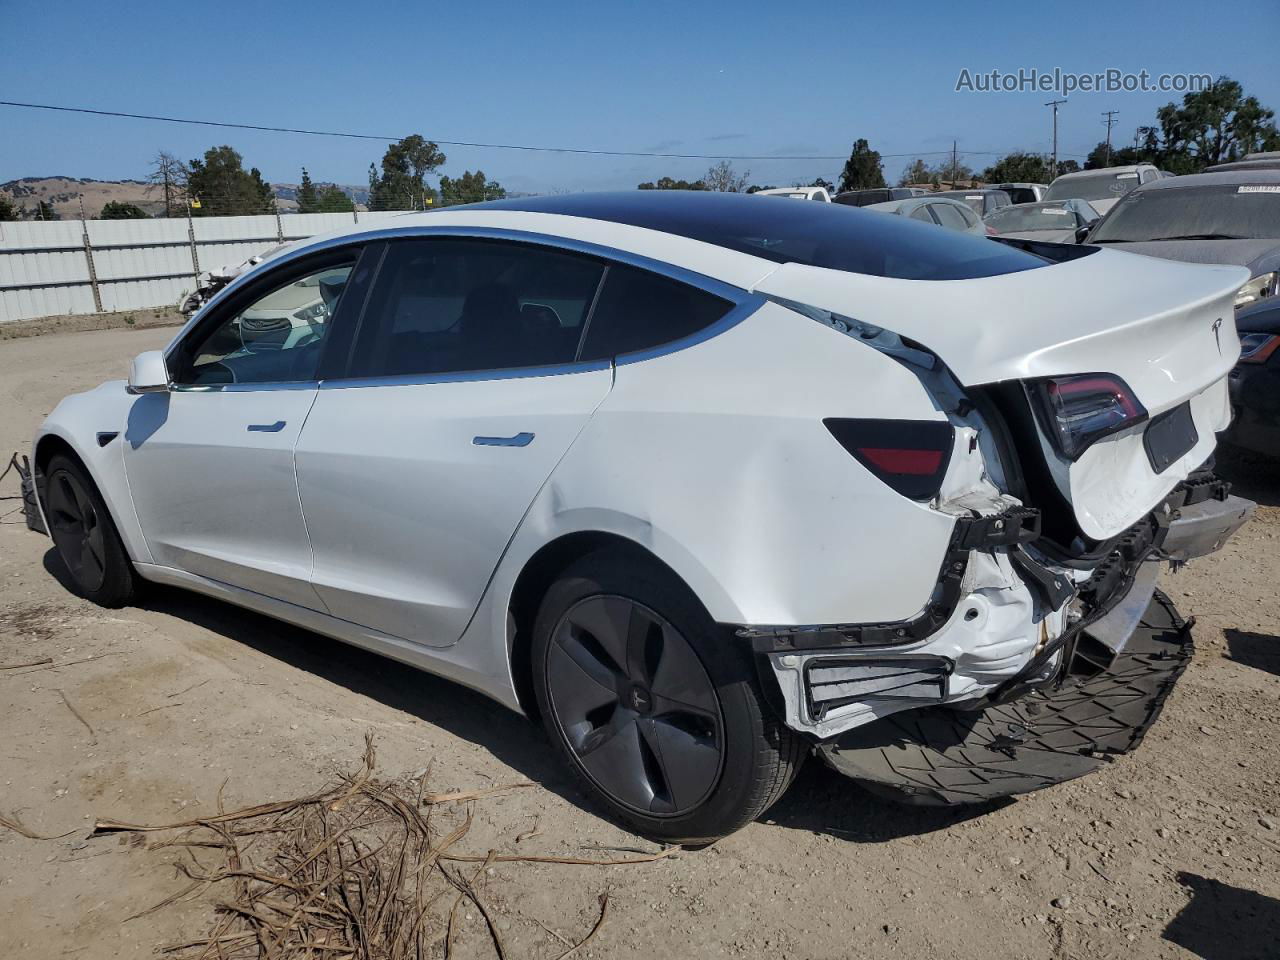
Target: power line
point(469, 143)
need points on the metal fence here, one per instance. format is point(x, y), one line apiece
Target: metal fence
point(88, 266)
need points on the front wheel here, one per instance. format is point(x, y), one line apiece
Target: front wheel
point(653, 704)
point(84, 534)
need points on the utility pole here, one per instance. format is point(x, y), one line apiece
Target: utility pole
point(1053, 171)
point(954, 166)
point(1110, 122)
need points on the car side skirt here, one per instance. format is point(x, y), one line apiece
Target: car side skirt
point(451, 663)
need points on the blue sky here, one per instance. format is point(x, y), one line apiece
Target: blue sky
point(751, 78)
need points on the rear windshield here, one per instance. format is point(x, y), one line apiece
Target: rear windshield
point(1219, 212)
point(1032, 216)
point(815, 234)
point(1102, 186)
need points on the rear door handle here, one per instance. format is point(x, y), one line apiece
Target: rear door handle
point(266, 427)
point(519, 440)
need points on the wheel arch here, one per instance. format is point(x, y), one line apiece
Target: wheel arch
point(106, 470)
point(537, 575)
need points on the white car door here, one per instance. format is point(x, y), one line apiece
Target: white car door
point(210, 462)
point(463, 393)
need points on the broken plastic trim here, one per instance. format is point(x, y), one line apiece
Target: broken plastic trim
point(1017, 526)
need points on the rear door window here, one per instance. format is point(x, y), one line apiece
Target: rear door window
point(949, 216)
point(452, 305)
point(640, 310)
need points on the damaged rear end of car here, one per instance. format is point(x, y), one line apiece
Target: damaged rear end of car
point(1081, 402)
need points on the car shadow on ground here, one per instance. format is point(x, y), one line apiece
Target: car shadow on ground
point(1223, 922)
point(1258, 650)
point(823, 801)
point(1252, 476)
point(820, 801)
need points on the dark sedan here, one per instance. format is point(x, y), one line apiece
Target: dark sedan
point(1255, 382)
point(1228, 217)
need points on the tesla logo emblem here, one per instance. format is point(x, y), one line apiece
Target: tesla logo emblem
point(1217, 334)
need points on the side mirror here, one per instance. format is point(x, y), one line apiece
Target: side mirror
point(1082, 232)
point(147, 373)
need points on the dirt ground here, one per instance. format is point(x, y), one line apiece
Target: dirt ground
point(147, 711)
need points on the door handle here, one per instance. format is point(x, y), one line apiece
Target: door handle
point(266, 427)
point(519, 440)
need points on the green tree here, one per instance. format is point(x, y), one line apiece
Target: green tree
point(7, 210)
point(1068, 166)
point(470, 188)
point(1214, 125)
point(917, 172)
point(224, 188)
point(333, 200)
point(115, 210)
point(863, 170)
point(307, 197)
point(722, 178)
point(44, 211)
point(1018, 167)
point(667, 183)
point(401, 184)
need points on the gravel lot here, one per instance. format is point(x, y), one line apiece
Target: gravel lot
point(1171, 852)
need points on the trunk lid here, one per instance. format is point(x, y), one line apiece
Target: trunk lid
point(1165, 328)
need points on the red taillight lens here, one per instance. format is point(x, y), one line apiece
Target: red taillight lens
point(1079, 411)
point(911, 456)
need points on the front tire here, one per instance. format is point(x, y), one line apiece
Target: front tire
point(654, 706)
point(85, 535)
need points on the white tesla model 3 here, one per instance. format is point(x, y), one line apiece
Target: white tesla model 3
point(706, 483)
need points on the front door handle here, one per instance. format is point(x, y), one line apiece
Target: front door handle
point(519, 440)
point(266, 427)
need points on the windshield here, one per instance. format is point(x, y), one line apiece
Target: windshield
point(1100, 186)
point(1226, 211)
point(1028, 216)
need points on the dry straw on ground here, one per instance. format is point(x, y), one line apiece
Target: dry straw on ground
point(365, 870)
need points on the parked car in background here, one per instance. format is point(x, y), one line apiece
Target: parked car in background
point(797, 193)
point(864, 198)
point(1102, 188)
point(1022, 192)
point(1255, 381)
point(1227, 217)
point(1267, 160)
point(981, 201)
point(528, 450)
point(1053, 221)
point(940, 211)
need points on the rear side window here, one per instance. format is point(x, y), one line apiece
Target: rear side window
point(922, 213)
point(638, 310)
point(459, 305)
point(951, 217)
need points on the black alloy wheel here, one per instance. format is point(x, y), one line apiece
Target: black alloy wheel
point(655, 706)
point(84, 534)
point(76, 530)
point(635, 705)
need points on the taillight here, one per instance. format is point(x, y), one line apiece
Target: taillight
point(1257, 347)
point(911, 456)
point(1080, 410)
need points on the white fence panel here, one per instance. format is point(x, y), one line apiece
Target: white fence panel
point(137, 264)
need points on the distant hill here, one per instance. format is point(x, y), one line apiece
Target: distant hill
point(65, 194)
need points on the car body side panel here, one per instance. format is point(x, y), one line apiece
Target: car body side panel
point(78, 420)
point(446, 470)
point(716, 460)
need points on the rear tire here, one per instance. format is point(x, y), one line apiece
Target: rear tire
point(653, 705)
point(84, 534)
